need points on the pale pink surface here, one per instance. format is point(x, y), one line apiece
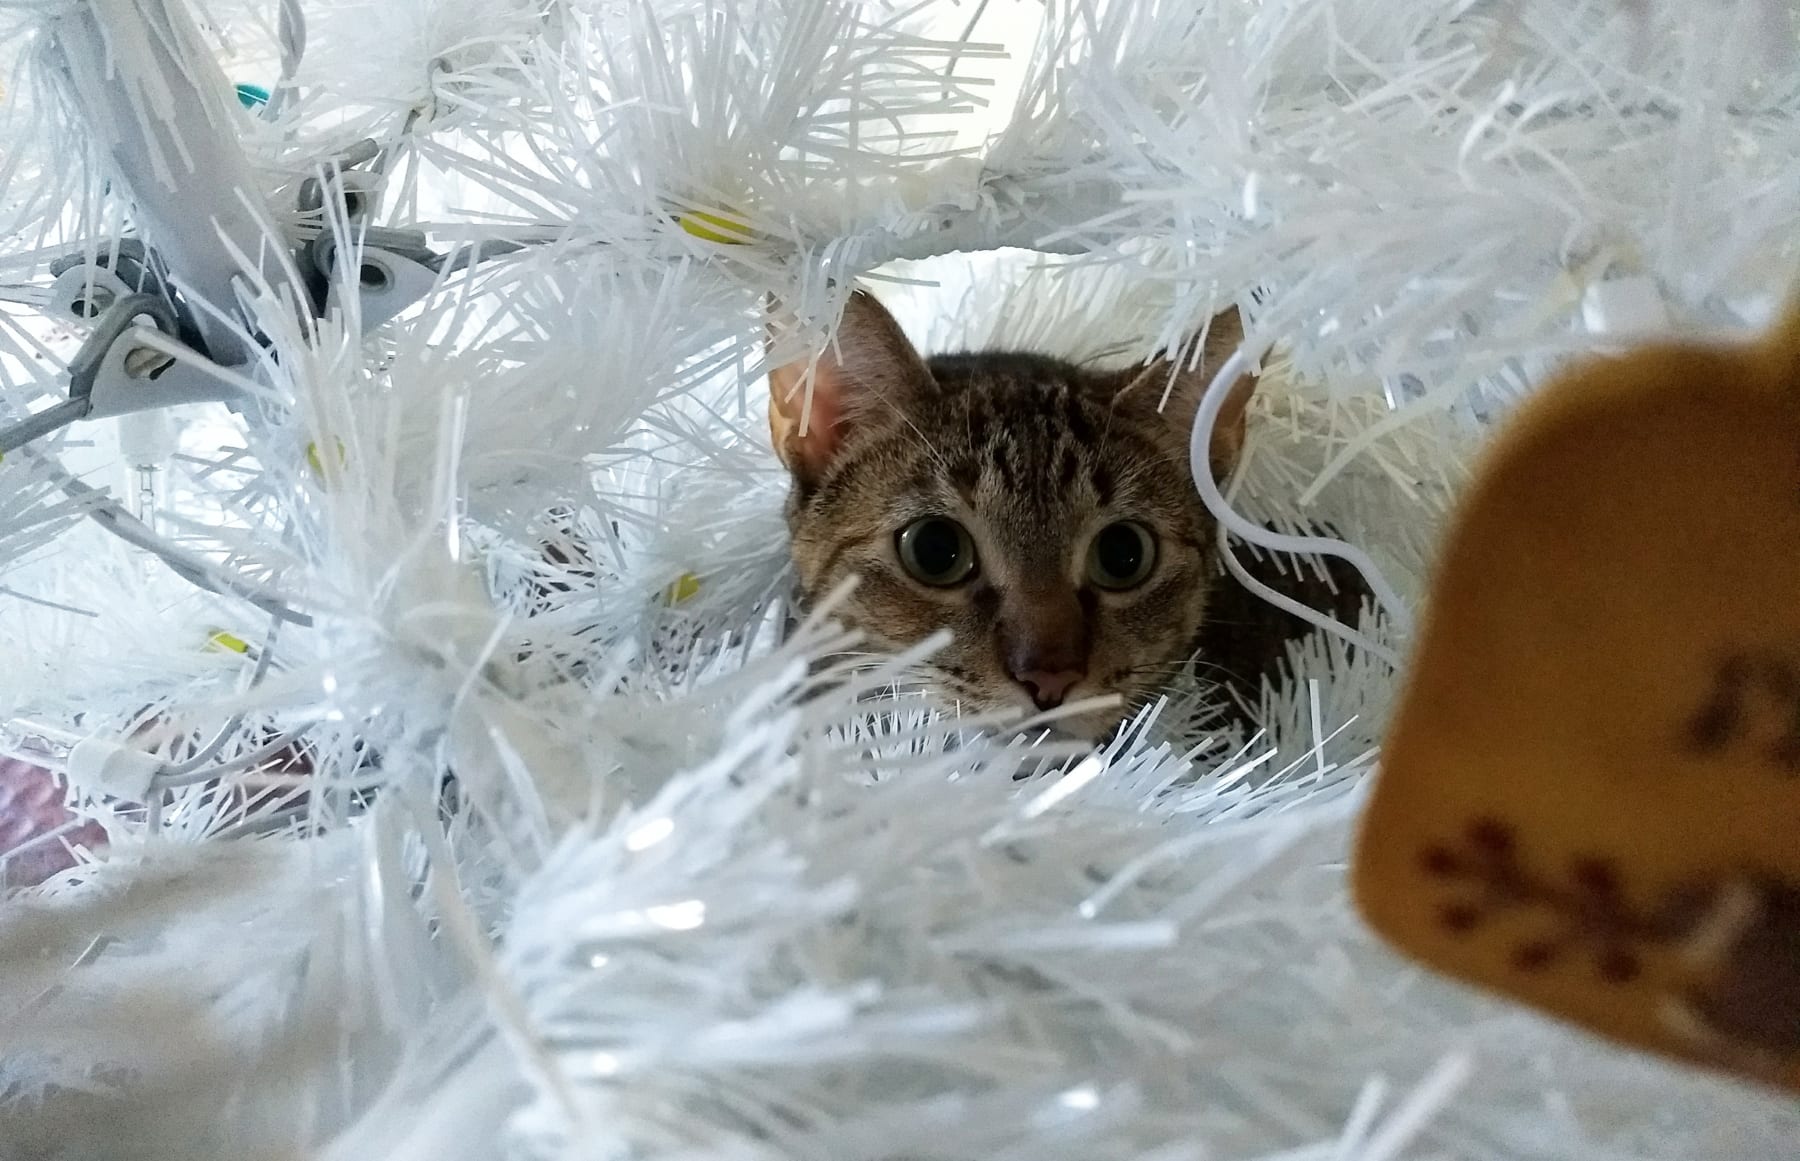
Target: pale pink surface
point(31, 806)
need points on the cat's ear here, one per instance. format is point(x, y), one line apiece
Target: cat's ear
point(867, 367)
point(1147, 384)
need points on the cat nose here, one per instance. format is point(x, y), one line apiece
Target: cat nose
point(1048, 686)
point(1044, 641)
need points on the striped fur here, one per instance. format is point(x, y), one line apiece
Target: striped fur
point(1033, 456)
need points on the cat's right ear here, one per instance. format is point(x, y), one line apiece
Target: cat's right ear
point(869, 365)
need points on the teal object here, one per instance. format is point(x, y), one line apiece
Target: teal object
point(250, 96)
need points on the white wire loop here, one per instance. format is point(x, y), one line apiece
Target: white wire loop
point(1200, 464)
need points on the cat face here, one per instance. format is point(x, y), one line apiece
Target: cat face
point(1042, 513)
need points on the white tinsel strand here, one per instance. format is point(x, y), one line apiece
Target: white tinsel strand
point(1414, 199)
point(47, 184)
point(306, 957)
point(797, 1032)
point(33, 510)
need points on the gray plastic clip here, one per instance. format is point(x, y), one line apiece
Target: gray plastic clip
point(350, 187)
point(119, 318)
point(117, 372)
point(86, 284)
point(127, 374)
point(83, 292)
point(395, 269)
point(84, 369)
point(128, 258)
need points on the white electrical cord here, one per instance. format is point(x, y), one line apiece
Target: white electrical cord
point(168, 779)
point(1200, 464)
point(111, 516)
point(290, 31)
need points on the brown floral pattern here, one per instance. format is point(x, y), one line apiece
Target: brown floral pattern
point(1738, 934)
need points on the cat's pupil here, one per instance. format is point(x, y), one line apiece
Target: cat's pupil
point(1120, 551)
point(1121, 556)
point(936, 547)
point(936, 551)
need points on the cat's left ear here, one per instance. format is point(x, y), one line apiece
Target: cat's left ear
point(868, 369)
point(1145, 385)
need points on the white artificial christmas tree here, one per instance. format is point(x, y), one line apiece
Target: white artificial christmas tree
point(410, 752)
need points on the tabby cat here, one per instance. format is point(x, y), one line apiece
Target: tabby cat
point(1042, 511)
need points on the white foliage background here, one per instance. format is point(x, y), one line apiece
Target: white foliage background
point(682, 899)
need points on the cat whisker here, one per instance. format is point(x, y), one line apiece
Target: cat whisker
point(1219, 686)
point(1196, 666)
point(930, 448)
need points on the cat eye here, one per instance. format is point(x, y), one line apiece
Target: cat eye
point(1121, 556)
point(936, 551)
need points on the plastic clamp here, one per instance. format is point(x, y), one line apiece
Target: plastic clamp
point(394, 271)
point(108, 767)
point(119, 318)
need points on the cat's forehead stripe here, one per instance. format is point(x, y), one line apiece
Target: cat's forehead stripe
point(1068, 464)
point(1018, 440)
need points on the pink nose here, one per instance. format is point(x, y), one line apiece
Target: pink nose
point(1044, 641)
point(1048, 687)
